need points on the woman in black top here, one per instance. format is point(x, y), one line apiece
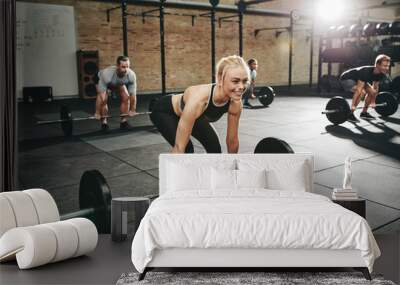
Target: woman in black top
point(366, 84)
point(177, 117)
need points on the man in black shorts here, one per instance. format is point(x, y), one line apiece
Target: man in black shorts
point(364, 83)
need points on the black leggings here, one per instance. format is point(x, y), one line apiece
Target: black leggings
point(166, 121)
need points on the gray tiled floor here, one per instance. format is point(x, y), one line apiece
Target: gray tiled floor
point(49, 161)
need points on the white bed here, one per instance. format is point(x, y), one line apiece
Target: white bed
point(247, 210)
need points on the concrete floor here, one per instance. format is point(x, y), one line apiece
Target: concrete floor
point(129, 159)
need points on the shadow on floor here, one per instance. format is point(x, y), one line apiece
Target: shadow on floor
point(378, 142)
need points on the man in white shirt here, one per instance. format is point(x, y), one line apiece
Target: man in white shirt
point(121, 79)
point(249, 93)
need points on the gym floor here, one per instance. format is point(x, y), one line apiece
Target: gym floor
point(129, 159)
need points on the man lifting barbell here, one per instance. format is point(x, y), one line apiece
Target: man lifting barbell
point(364, 83)
point(121, 79)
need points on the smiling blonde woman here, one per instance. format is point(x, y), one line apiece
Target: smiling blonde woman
point(179, 116)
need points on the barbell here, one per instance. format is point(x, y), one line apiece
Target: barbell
point(95, 201)
point(273, 145)
point(337, 109)
point(67, 120)
point(265, 95)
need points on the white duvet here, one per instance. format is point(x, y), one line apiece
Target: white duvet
point(256, 218)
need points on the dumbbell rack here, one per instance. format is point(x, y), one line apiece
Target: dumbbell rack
point(326, 42)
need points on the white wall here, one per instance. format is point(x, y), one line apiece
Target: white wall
point(46, 48)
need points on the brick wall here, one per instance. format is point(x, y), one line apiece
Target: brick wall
point(188, 48)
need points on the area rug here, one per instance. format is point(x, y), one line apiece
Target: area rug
point(244, 278)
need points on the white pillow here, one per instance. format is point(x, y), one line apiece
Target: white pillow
point(287, 174)
point(193, 174)
point(251, 178)
point(184, 177)
point(290, 176)
point(223, 179)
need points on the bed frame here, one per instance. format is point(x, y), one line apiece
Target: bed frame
point(246, 259)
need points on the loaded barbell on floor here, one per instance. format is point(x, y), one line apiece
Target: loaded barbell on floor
point(337, 109)
point(265, 95)
point(273, 145)
point(95, 201)
point(67, 120)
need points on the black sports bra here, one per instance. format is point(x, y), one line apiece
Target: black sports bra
point(212, 112)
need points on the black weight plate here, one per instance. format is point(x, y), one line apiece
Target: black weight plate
point(266, 95)
point(340, 104)
point(385, 84)
point(395, 85)
point(151, 104)
point(95, 193)
point(391, 104)
point(93, 190)
point(273, 145)
point(395, 28)
point(67, 124)
point(383, 28)
point(369, 29)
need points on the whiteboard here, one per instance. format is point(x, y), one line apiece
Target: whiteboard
point(46, 48)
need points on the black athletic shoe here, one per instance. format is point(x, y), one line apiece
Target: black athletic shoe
point(247, 105)
point(352, 118)
point(124, 125)
point(366, 116)
point(104, 127)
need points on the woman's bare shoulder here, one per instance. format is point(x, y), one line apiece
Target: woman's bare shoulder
point(198, 91)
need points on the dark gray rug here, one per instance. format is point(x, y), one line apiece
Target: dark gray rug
point(242, 278)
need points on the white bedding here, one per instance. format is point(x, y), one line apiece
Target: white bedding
point(251, 218)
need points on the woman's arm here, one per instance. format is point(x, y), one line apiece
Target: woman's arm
point(193, 109)
point(232, 137)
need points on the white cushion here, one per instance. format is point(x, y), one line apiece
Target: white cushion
point(45, 205)
point(251, 178)
point(7, 218)
point(67, 240)
point(87, 235)
point(185, 175)
point(288, 174)
point(32, 246)
point(23, 208)
point(223, 179)
point(40, 244)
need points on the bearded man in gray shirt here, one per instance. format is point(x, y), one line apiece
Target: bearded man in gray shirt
point(121, 79)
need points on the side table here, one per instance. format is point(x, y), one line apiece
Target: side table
point(358, 206)
point(126, 214)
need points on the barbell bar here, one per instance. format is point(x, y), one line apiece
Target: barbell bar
point(360, 107)
point(66, 119)
point(88, 118)
point(337, 109)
